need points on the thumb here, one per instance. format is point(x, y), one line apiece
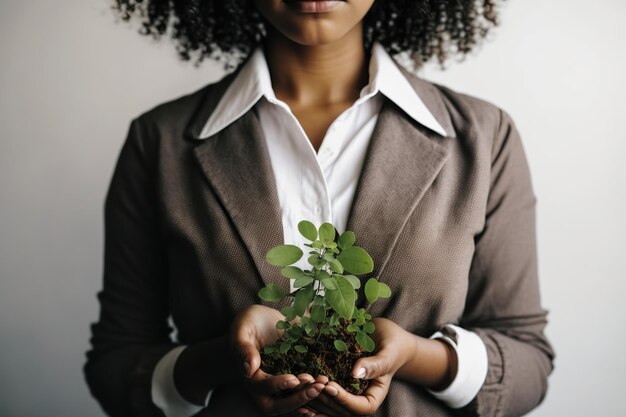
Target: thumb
point(371, 367)
point(246, 355)
point(250, 358)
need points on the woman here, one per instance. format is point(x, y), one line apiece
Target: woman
point(319, 122)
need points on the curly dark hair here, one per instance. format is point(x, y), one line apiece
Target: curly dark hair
point(227, 31)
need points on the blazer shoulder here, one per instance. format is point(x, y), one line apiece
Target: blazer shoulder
point(178, 115)
point(466, 115)
point(478, 124)
point(481, 113)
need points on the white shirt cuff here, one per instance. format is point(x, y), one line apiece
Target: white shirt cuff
point(164, 393)
point(472, 366)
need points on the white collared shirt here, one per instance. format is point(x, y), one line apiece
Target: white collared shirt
point(320, 186)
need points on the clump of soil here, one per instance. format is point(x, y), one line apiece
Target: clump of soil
point(322, 358)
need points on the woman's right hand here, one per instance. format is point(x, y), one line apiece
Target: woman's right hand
point(252, 329)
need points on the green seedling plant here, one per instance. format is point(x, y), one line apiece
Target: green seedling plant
point(323, 330)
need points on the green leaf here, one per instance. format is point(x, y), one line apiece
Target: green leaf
point(328, 256)
point(302, 282)
point(283, 255)
point(309, 328)
point(322, 275)
point(369, 327)
point(383, 290)
point(318, 313)
point(292, 272)
point(366, 342)
point(307, 229)
point(327, 232)
point(356, 283)
point(330, 283)
point(300, 348)
point(288, 313)
point(316, 261)
point(340, 345)
point(356, 260)
point(343, 298)
point(372, 289)
point(294, 333)
point(319, 300)
point(352, 328)
point(269, 349)
point(335, 266)
point(281, 324)
point(284, 347)
point(303, 297)
point(330, 245)
point(318, 244)
point(334, 319)
point(346, 239)
point(271, 292)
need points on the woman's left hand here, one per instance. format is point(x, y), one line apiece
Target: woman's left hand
point(395, 346)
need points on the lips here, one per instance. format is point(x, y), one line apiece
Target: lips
point(314, 6)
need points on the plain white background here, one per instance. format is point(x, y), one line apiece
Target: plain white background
point(71, 79)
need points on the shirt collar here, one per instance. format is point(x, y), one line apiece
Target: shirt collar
point(254, 82)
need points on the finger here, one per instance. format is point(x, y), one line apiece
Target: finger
point(377, 391)
point(327, 405)
point(305, 412)
point(246, 347)
point(367, 403)
point(372, 367)
point(322, 379)
point(267, 384)
point(290, 403)
point(301, 412)
point(305, 378)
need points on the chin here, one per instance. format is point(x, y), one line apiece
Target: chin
point(313, 22)
point(306, 39)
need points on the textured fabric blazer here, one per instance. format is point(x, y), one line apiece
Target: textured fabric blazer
point(449, 222)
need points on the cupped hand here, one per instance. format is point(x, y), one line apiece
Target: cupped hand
point(394, 348)
point(252, 329)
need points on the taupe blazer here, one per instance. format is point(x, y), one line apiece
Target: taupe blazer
point(449, 222)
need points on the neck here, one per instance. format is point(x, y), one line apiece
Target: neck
point(317, 75)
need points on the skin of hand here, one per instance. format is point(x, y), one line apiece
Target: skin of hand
point(252, 329)
point(394, 349)
point(402, 354)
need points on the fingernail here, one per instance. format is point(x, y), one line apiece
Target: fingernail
point(246, 368)
point(360, 373)
point(331, 390)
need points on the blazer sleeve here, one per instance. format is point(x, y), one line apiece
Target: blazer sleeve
point(503, 304)
point(132, 333)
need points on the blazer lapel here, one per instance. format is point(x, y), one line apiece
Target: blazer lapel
point(402, 160)
point(236, 163)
